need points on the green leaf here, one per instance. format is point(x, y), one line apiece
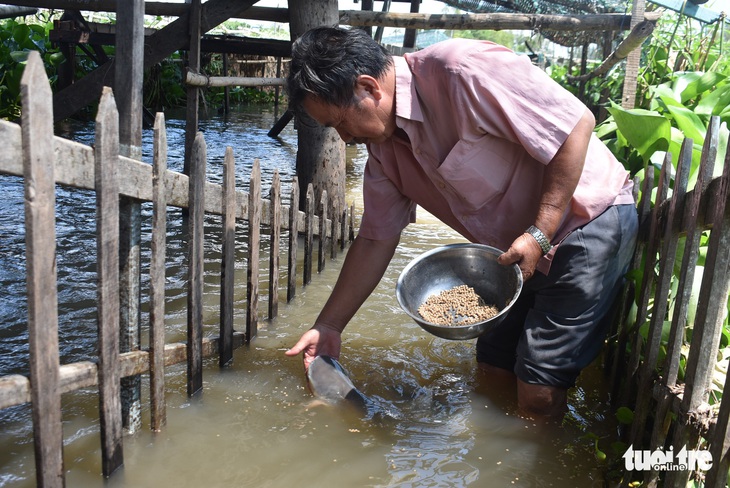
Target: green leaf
point(625, 415)
point(646, 131)
point(19, 56)
point(714, 102)
point(701, 85)
point(689, 123)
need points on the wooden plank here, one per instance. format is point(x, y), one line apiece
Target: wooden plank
point(275, 226)
point(705, 334)
point(158, 405)
point(717, 476)
point(676, 333)
point(291, 289)
point(228, 266)
point(15, 389)
point(40, 242)
point(623, 388)
point(323, 204)
point(656, 323)
point(334, 227)
point(309, 233)
point(343, 228)
point(196, 235)
point(107, 251)
point(649, 277)
point(75, 167)
point(254, 243)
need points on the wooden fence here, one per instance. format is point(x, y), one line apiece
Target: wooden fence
point(671, 412)
point(32, 151)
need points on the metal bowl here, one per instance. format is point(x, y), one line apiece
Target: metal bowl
point(444, 268)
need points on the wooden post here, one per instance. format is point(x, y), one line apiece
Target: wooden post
point(333, 231)
point(708, 320)
point(275, 229)
point(254, 239)
point(647, 284)
point(291, 289)
point(193, 93)
point(676, 333)
point(322, 233)
point(321, 151)
point(409, 38)
point(309, 234)
point(343, 228)
point(40, 242)
point(196, 208)
point(226, 90)
point(128, 82)
point(106, 154)
point(631, 70)
point(228, 267)
point(158, 406)
point(621, 393)
point(367, 5)
point(645, 373)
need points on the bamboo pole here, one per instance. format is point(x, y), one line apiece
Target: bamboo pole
point(198, 80)
point(493, 21)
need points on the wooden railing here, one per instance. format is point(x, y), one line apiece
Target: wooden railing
point(33, 152)
point(670, 414)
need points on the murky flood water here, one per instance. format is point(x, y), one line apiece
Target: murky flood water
point(442, 422)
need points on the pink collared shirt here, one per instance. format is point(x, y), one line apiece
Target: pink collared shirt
point(482, 123)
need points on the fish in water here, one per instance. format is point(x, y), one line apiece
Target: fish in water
point(329, 381)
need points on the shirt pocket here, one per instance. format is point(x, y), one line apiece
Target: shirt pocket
point(480, 171)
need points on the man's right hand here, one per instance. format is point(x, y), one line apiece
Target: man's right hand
point(320, 340)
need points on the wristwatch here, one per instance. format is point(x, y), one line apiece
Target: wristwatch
point(541, 239)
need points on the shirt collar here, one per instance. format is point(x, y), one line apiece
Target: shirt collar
point(406, 98)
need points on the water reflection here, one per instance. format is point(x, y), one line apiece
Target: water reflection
point(256, 424)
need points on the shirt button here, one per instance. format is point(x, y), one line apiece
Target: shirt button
point(441, 185)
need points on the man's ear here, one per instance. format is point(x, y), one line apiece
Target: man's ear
point(368, 84)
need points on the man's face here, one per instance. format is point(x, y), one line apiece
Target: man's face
point(355, 123)
point(369, 119)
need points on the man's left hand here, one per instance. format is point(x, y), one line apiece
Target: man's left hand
point(526, 252)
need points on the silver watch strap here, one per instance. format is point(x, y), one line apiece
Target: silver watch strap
point(541, 239)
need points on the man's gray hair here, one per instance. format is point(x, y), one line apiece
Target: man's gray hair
point(326, 62)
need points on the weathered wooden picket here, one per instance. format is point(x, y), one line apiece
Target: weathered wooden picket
point(670, 414)
point(32, 151)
